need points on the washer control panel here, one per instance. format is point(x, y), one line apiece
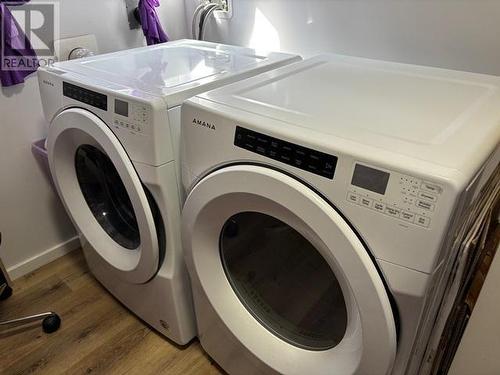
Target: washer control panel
point(86, 96)
point(131, 116)
point(402, 197)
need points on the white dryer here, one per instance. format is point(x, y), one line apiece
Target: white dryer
point(322, 197)
point(113, 148)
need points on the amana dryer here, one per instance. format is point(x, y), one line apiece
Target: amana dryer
point(113, 148)
point(322, 199)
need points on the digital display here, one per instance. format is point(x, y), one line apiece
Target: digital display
point(370, 179)
point(121, 108)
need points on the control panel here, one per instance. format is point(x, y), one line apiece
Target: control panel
point(131, 116)
point(402, 197)
point(86, 96)
point(289, 153)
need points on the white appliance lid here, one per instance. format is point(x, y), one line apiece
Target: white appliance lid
point(169, 68)
point(427, 113)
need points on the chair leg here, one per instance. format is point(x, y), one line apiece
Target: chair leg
point(50, 321)
point(5, 293)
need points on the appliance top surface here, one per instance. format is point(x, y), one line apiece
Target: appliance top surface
point(173, 67)
point(436, 115)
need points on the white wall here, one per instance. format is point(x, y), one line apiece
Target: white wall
point(459, 34)
point(33, 223)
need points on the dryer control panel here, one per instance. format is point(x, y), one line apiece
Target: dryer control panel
point(402, 197)
point(298, 156)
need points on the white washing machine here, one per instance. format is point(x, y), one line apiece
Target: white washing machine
point(113, 148)
point(322, 197)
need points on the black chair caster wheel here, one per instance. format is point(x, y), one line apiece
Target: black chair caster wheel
point(51, 323)
point(6, 293)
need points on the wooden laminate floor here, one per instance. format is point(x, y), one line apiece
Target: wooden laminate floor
point(98, 335)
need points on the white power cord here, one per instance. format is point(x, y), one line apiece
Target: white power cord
point(207, 15)
point(200, 16)
point(195, 17)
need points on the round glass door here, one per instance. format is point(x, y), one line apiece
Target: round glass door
point(281, 276)
point(283, 281)
point(106, 196)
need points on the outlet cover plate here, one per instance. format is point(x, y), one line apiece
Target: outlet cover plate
point(63, 47)
point(225, 14)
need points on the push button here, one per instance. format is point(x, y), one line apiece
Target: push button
point(315, 158)
point(249, 145)
point(329, 166)
point(380, 207)
point(300, 153)
point(286, 153)
point(407, 216)
point(314, 162)
point(431, 188)
point(260, 150)
point(391, 211)
point(298, 162)
point(275, 144)
point(367, 202)
point(312, 167)
point(427, 196)
point(353, 198)
point(263, 141)
point(425, 205)
point(422, 221)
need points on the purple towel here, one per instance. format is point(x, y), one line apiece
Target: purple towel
point(16, 45)
point(150, 23)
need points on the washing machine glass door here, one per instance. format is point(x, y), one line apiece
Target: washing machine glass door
point(103, 194)
point(287, 275)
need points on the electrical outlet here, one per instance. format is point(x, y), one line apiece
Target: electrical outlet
point(63, 47)
point(227, 9)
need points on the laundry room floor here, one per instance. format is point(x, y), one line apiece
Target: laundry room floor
point(98, 335)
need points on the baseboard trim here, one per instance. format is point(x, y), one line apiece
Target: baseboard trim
point(31, 264)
